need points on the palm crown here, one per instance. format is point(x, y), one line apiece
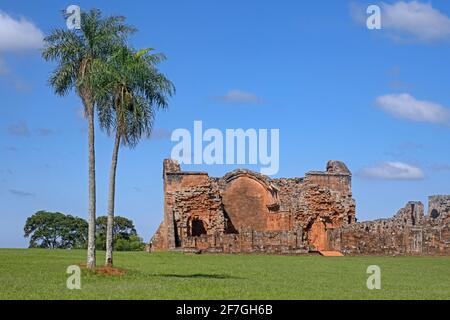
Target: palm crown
point(76, 51)
point(129, 90)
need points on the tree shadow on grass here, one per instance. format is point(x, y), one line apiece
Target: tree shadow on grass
point(198, 276)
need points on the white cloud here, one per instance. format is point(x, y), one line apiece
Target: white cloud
point(18, 34)
point(415, 20)
point(407, 20)
point(237, 96)
point(393, 171)
point(407, 107)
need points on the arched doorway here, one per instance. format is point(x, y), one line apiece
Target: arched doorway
point(197, 227)
point(317, 235)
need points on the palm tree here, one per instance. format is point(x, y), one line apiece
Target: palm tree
point(76, 51)
point(130, 90)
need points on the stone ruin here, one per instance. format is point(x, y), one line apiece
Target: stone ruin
point(409, 232)
point(246, 212)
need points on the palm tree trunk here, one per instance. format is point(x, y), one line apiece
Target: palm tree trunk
point(92, 195)
point(111, 199)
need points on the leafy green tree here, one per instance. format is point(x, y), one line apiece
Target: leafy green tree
point(134, 243)
point(55, 230)
point(125, 235)
point(131, 90)
point(76, 53)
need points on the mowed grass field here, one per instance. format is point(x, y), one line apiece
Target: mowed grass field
point(41, 274)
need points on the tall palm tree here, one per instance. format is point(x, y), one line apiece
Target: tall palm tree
point(129, 92)
point(76, 51)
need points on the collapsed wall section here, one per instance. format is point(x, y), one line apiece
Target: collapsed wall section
point(409, 232)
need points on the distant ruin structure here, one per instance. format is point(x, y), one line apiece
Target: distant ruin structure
point(409, 232)
point(246, 212)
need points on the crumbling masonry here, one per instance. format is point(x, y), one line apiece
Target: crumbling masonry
point(409, 232)
point(245, 212)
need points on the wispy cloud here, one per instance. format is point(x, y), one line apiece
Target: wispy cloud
point(395, 71)
point(19, 84)
point(358, 13)
point(392, 171)
point(405, 148)
point(13, 80)
point(19, 129)
point(161, 134)
point(44, 132)
point(237, 96)
point(79, 113)
point(81, 116)
point(18, 34)
point(395, 80)
point(408, 20)
point(400, 85)
point(11, 149)
point(6, 171)
point(405, 106)
point(439, 167)
point(21, 193)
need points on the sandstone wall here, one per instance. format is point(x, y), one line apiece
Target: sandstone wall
point(244, 211)
point(409, 232)
point(249, 241)
point(248, 212)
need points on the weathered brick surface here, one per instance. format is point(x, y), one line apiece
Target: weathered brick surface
point(247, 212)
point(409, 232)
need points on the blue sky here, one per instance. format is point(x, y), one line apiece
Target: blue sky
point(377, 99)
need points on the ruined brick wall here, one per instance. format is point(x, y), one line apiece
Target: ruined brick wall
point(439, 207)
point(436, 235)
point(248, 212)
point(249, 241)
point(409, 232)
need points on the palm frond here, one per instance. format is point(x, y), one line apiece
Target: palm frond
point(79, 53)
point(135, 89)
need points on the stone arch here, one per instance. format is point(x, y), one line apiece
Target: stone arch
point(248, 198)
point(197, 226)
point(264, 181)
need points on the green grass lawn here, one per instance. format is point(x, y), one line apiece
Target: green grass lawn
point(41, 274)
